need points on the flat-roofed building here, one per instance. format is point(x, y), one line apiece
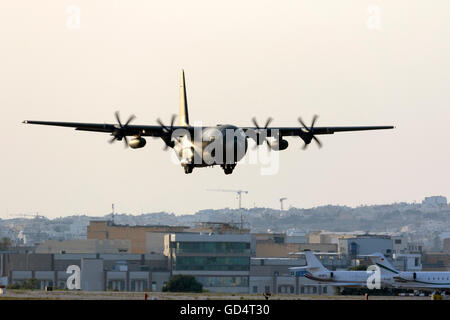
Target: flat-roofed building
point(137, 235)
point(446, 246)
point(270, 237)
point(221, 262)
point(273, 275)
point(270, 249)
point(322, 236)
point(366, 244)
point(85, 246)
point(319, 247)
point(435, 261)
point(99, 272)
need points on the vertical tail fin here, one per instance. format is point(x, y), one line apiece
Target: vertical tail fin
point(313, 263)
point(183, 114)
point(380, 260)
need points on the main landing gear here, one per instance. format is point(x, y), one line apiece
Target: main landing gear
point(228, 168)
point(188, 168)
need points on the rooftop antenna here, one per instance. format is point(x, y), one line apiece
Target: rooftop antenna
point(281, 202)
point(238, 196)
point(112, 214)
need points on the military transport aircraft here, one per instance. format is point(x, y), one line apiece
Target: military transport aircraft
point(201, 146)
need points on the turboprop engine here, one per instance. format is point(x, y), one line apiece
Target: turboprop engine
point(279, 145)
point(137, 143)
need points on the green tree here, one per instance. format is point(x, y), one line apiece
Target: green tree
point(5, 243)
point(183, 283)
point(29, 284)
point(361, 267)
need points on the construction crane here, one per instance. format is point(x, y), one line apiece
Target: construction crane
point(238, 193)
point(238, 196)
point(281, 202)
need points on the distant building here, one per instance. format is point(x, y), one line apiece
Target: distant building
point(366, 244)
point(435, 201)
point(269, 249)
point(218, 228)
point(273, 275)
point(407, 261)
point(399, 244)
point(319, 247)
point(296, 239)
point(270, 237)
point(221, 262)
point(436, 261)
point(84, 246)
point(99, 272)
point(137, 235)
point(328, 237)
point(446, 247)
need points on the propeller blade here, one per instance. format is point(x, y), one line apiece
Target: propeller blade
point(318, 141)
point(131, 118)
point(269, 120)
point(125, 141)
point(172, 120)
point(112, 140)
point(314, 121)
point(162, 125)
point(309, 135)
point(302, 123)
point(255, 122)
point(118, 118)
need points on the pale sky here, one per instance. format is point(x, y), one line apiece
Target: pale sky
point(242, 59)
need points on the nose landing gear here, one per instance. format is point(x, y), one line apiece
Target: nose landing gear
point(228, 168)
point(188, 168)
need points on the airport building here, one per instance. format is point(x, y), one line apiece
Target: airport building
point(221, 262)
point(143, 239)
point(366, 244)
point(273, 275)
point(99, 272)
point(84, 246)
point(436, 261)
point(407, 261)
point(221, 256)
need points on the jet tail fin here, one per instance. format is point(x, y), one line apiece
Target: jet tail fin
point(380, 260)
point(313, 263)
point(183, 114)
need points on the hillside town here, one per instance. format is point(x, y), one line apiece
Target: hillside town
point(229, 250)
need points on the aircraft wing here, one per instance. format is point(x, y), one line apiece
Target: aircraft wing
point(299, 131)
point(414, 284)
point(129, 130)
point(126, 130)
point(346, 284)
point(307, 134)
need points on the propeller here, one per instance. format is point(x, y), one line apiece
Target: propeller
point(269, 120)
point(168, 130)
point(120, 132)
point(308, 135)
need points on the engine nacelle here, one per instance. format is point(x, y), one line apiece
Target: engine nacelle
point(279, 145)
point(406, 276)
point(137, 143)
point(325, 276)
